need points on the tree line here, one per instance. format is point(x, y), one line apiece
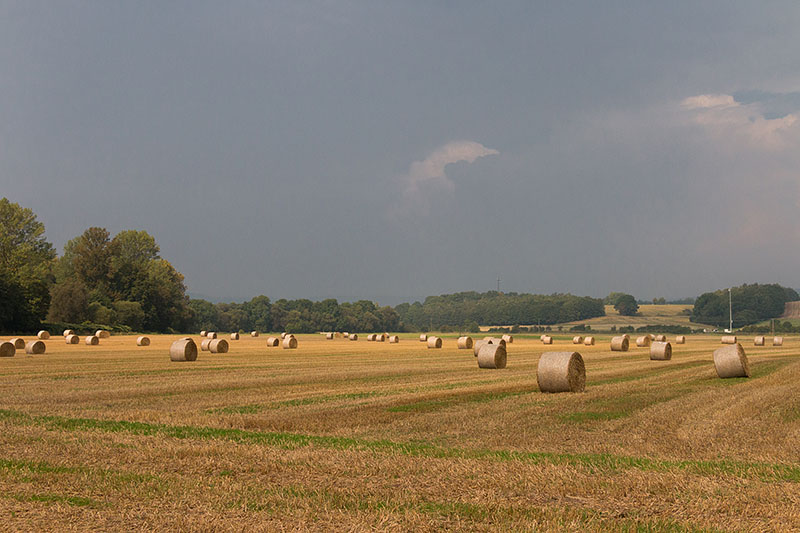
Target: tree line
point(751, 304)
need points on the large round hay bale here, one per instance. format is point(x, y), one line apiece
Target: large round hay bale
point(508, 338)
point(211, 335)
point(183, 350)
point(434, 342)
point(254, 334)
point(423, 338)
point(102, 334)
point(7, 349)
point(92, 340)
point(204, 344)
point(289, 343)
point(43, 335)
point(620, 344)
point(577, 339)
point(759, 340)
point(353, 336)
point(203, 333)
point(380, 337)
point(329, 336)
point(547, 339)
point(218, 346)
point(283, 335)
point(643, 341)
point(777, 341)
point(68, 332)
point(728, 339)
point(371, 337)
point(234, 336)
point(394, 339)
point(660, 338)
point(464, 343)
point(731, 362)
point(72, 339)
point(492, 356)
point(652, 337)
point(35, 347)
point(273, 341)
point(143, 341)
point(588, 341)
point(680, 339)
point(561, 372)
point(660, 351)
point(18, 342)
point(476, 346)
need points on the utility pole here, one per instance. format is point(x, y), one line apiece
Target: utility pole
point(498, 284)
point(730, 310)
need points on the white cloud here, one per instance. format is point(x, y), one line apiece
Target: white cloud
point(431, 169)
point(703, 101)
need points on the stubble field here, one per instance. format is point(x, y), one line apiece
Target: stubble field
point(348, 436)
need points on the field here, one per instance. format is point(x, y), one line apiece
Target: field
point(348, 436)
point(669, 314)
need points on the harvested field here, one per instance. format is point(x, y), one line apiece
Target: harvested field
point(340, 435)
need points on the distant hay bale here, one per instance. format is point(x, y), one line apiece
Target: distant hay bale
point(204, 344)
point(492, 356)
point(561, 372)
point(218, 346)
point(211, 335)
point(380, 337)
point(577, 339)
point(7, 349)
point(289, 343)
point(35, 347)
point(643, 341)
point(43, 335)
point(759, 341)
point(423, 338)
point(102, 334)
point(203, 333)
point(588, 341)
point(143, 341)
point(660, 338)
point(547, 339)
point(353, 336)
point(273, 341)
point(18, 342)
point(508, 338)
point(680, 339)
point(652, 337)
point(777, 341)
point(254, 334)
point(731, 362)
point(371, 337)
point(728, 339)
point(620, 344)
point(346, 335)
point(660, 351)
point(476, 346)
point(464, 343)
point(72, 339)
point(183, 350)
point(92, 340)
point(283, 335)
point(394, 339)
point(68, 332)
point(434, 342)
point(329, 336)
point(234, 336)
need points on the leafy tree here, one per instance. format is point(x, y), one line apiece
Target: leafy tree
point(69, 302)
point(626, 305)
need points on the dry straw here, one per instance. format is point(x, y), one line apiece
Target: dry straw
point(218, 346)
point(43, 335)
point(353, 336)
point(492, 356)
point(143, 341)
point(18, 342)
point(660, 338)
point(731, 362)
point(183, 350)
point(380, 337)
point(72, 339)
point(203, 333)
point(204, 344)
point(465, 343)
point(508, 338)
point(588, 341)
point(561, 372)
point(660, 351)
point(329, 336)
point(371, 337)
point(211, 335)
point(759, 341)
point(777, 341)
point(68, 332)
point(643, 341)
point(728, 339)
point(234, 336)
point(35, 347)
point(283, 335)
point(434, 342)
point(620, 344)
point(273, 341)
point(92, 340)
point(547, 339)
point(394, 339)
point(254, 334)
point(423, 338)
point(680, 339)
point(7, 349)
point(476, 347)
point(289, 343)
point(102, 334)
point(652, 337)
point(577, 339)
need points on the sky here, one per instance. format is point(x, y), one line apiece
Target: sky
point(393, 150)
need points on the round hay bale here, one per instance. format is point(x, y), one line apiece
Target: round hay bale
point(380, 337)
point(7, 349)
point(588, 341)
point(68, 332)
point(660, 338)
point(203, 333)
point(542, 336)
point(620, 344)
point(102, 334)
point(476, 347)
point(204, 344)
point(254, 334)
point(660, 351)
point(731, 362)
point(680, 339)
point(434, 342)
point(218, 346)
point(143, 341)
point(183, 350)
point(211, 335)
point(289, 343)
point(508, 338)
point(777, 341)
point(561, 372)
point(643, 341)
point(72, 339)
point(43, 335)
point(273, 341)
point(234, 336)
point(577, 339)
point(371, 337)
point(18, 342)
point(329, 336)
point(547, 339)
point(492, 356)
point(92, 340)
point(35, 347)
point(464, 343)
point(423, 338)
point(759, 340)
point(728, 339)
point(283, 335)
point(652, 337)
point(353, 336)
point(394, 339)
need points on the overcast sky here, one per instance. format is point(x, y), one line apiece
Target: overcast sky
point(393, 150)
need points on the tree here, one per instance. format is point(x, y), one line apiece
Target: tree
point(626, 305)
point(68, 302)
point(91, 259)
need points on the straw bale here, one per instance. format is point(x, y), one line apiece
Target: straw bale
point(353, 337)
point(777, 341)
point(731, 362)
point(588, 341)
point(7, 349)
point(680, 339)
point(68, 332)
point(547, 339)
point(204, 344)
point(577, 339)
point(465, 343)
point(289, 343)
point(394, 339)
point(273, 341)
point(434, 342)
point(283, 335)
point(380, 337)
point(92, 340)
point(329, 336)
point(143, 341)
point(18, 342)
point(561, 372)
point(183, 350)
point(660, 351)
point(371, 337)
point(211, 335)
point(759, 340)
point(218, 346)
point(43, 335)
point(423, 338)
point(476, 346)
point(660, 338)
point(620, 344)
point(492, 356)
point(254, 334)
point(102, 334)
point(729, 339)
point(508, 338)
point(203, 333)
point(35, 347)
point(643, 341)
point(72, 339)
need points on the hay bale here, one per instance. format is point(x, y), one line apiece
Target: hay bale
point(218, 346)
point(577, 339)
point(588, 341)
point(43, 335)
point(143, 341)
point(353, 336)
point(102, 334)
point(346, 335)
point(561, 372)
point(7, 349)
point(183, 350)
point(547, 339)
point(492, 356)
point(283, 335)
point(731, 362)
point(72, 339)
point(289, 342)
point(203, 333)
point(35, 347)
point(18, 342)
point(643, 341)
point(273, 341)
point(652, 337)
point(434, 342)
point(204, 344)
point(476, 347)
point(234, 336)
point(680, 339)
point(759, 340)
point(728, 339)
point(371, 337)
point(464, 343)
point(423, 338)
point(329, 336)
point(68, 332)
point(660, 338)
point(620, 344)
point(380, 337)
point(660, 351)
point(254, 334)
point(211, 335)
point(394, 339)
point(508, 338)
point(777, 341)
point(92, 340)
